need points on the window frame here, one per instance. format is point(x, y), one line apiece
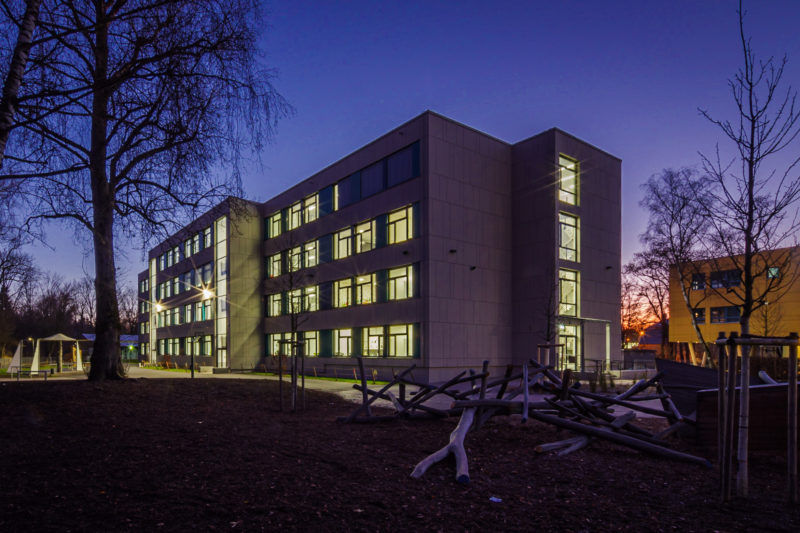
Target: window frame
point(568, 277)
point(365, 282)
point(392, 278)
point(566, 194)
point(565, 252)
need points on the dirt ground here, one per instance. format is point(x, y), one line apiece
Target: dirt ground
point(180, 455)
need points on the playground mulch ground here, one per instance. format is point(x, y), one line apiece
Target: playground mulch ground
point(214, 454)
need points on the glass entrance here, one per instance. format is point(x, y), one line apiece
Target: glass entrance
point(569, 336)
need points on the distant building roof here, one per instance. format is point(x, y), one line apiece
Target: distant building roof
point(124, 340)
point(652, 335)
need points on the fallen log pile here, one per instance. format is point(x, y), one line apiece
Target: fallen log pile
point(560, 402)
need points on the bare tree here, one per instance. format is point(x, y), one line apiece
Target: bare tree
point(647, 276)
point(754, 211)
point(16, 69)
point(130, 111)
point(634, 315)
point(128, 309)
point(85, 302)
point(678, 202)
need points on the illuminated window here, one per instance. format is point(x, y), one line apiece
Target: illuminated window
point(310, 254)
point(295, 301)
point(176, 316)
point(698, 282)
point(167, 289)
point(295, 215)
point(400, 340)
point(207, 307)
point(721, 315)
point(198, 311)
point(568, 173)
point(773, 273)
point(206, 346)
point(278, 342)
point(365, 237)
point(274, 225)
point(275, 307)
point(311, 343)
point(342, 292)
point(568, 237)
point(310, 208)
point(366, 287)
point(567, 292)
point(195, 244)
point(372, 342)
point(343, 342)
point(207, 238)
point(188, 346)
point(161, 262)
point(274, 265)
point(311, 298)
point(699, 315)
point(342, 246)
point(400, 283)
point(399, 225)
point(187, 248)
point(295, 259)
point(187, 313)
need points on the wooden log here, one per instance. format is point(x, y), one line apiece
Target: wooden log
point(454, 446)
point(640, 386)
point(670, 430)
point(624, 403)
point(580, 444)
point(668, 405)
point(364, 397)
point(766, 378)
point(622, 420)
point(386, 387)
point(550, 446)
point(505, 380)
point(398, 406)
point(548, 372)
point(418, 399)
point(612, 436)
point(514, 405)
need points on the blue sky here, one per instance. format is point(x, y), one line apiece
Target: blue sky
point(626, 76)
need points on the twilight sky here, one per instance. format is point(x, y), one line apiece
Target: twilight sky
point(625, 76)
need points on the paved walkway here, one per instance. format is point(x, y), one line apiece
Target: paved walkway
point(342, 388)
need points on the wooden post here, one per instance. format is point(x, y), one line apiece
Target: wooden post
point(721, 415)
point(525, 393)
point(744, 424)
point(791, 451)
point(730, 412)
point(363, 385)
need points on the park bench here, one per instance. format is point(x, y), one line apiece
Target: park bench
point(19, 371)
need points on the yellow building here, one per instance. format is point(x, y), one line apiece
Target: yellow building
point(715, 289)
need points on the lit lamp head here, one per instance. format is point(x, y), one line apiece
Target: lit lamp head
point(207, 294)
point(159, 307)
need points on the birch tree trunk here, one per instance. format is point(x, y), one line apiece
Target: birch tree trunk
point(19, 59)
